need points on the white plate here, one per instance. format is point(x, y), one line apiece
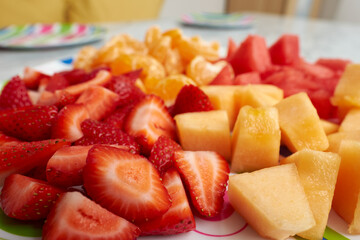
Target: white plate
point(230, 226)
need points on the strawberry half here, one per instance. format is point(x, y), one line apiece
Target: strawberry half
point(117, 118)
point(191, 99)
point(57, 82)
point(76, 217)
point(125, 184)
point(124, 86)
point(162, 153)
point(205, 175)
point(33, 77)
point(65, 167)
point(67, 124)
point(179, 218)
point(22, 157)
point(148, 120)
point(32, 123)
point(6, 140)
point(99, 101)
point(26, 198)
point(14, 95)
point(102, 133)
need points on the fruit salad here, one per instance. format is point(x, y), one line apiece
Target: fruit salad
point(141, 136)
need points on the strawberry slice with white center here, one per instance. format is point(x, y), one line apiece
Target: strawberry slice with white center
point(65, 167)
point(68, 122)
point(76, 217)
point(148, 120)
point(32, 77)
point(26, 198)
point(99, 101)
point(205, 174)
point(125, 184)
point(179, 218)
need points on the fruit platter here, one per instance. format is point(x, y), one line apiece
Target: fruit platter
point(163, 138)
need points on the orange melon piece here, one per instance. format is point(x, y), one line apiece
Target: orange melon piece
point(205, 131)
point(335, 139)
point(272, 200)
point(255, 139)
point(300, 124)
point(318, 173)
point(329, 127)
point(346, 200)
point(255, 97)
point(351, 121)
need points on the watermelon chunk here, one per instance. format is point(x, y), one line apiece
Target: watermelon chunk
point(252, 55)
point(247, 78)
point(285, 51)
point(231, 48)
point(313, 70)
point(335, 64)
point(224, 77)
point(321, 101)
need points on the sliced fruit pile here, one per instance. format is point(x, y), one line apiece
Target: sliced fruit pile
point(140, 136)
point(102, 132)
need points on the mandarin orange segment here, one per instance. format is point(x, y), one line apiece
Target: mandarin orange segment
point(161, 48)
point(152, 36)
point(85, 58)
point(202, 71)
point(169, 87)
point(191, 47)
point(173, 63)
point(175, 34)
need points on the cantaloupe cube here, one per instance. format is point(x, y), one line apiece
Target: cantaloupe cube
point(223, 98)
point(270, 90)
point(255, 97)
point(329, 127)
point(300, 124)
point(255, 139)
point(346, 200)
point(272, 200)
point(205, 131)
point(318, 173)
point(347, 91)
point(351, 121)
point(335, 139)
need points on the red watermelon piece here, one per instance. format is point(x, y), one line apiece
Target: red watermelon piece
point(313, 70)
point(335, 64)
point(247, 78)
point(285, 51)
point(231, 48)
point(225, 76)
point(321, 101)
point(252, 55)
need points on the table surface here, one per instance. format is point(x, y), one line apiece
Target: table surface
point(318, 38)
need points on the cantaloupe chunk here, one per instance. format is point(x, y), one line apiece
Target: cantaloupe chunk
point(346, 200)
point(336, 138)
point(347, 91)
point(300, 124)
point(255, 139)
point(205, 131)
point(223, 98)
point(272, 200)
point(351, 121)
point(318, 173)
point(255, 97)
point(329, 127)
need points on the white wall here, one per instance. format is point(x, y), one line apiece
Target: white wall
point(176, 8)
point(348, 10)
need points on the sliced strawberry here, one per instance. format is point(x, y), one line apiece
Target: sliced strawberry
point(32, 123)
point(124, 183)
point(76, 217)
point(162, 153)
point(225, 76)
point(57, 82)
point(101, 79)
point(26, 198)
point(33, 77)
point(124, 86)
point(99, 101)
point(192, 99)
point(179, 218)
point(102, 133)
point(21, 157)
point(14, 95)
point(6, 140)
point(75, 76)
point(148, 120)
point(47, 98)
point(205, 175)
point(67, 124)
point(34, 96)
point(65, 167)
point(117, 118)
point(64, 98)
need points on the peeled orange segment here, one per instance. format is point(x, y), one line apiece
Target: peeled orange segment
point(202, 71)
point(151, 68)
point(173, 63)
point(85, 58)
point(175, 34)
point(152, 36)
point(160, 49)
point(118, 45)
point(191, 47)
point(169, 87)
